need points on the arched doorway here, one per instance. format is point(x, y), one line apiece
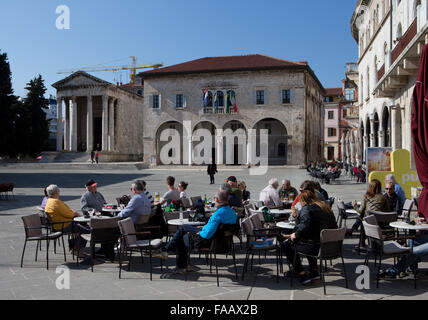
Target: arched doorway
point(202, 155)
point(376, 130)
point(368, 133)
point(386, 127)
point(171, 134)
point(234, 143)
point(277, 140)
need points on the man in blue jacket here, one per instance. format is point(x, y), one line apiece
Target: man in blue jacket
point(223, 215)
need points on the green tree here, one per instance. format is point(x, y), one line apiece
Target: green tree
point(8, 104)
point(33, 115)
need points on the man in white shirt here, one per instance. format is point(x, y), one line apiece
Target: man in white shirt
point(269, 195)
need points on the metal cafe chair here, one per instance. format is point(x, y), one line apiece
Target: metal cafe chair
point(34, 232)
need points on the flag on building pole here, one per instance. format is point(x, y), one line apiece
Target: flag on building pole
point(233, 101)
point(227, 102)
point(216, 102)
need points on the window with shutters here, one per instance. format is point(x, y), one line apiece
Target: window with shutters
point(286, 96)
point(260, 97)
point(332, 132)
point(179, 101)
point(155, 101)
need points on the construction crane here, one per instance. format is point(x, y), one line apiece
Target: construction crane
point(132, 68)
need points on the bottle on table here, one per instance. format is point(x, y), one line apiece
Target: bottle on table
point(181, 214)
point(205, 200)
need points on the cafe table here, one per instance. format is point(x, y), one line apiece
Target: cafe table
point(286, 225)
point(407, 226)
point(278, 212)
point(180, 222)
point(113, 211)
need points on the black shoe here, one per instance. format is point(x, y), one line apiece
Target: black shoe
point(304, 279)
point(314, 275)
point(290, 274)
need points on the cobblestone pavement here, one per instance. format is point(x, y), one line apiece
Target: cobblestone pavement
point(35, 282)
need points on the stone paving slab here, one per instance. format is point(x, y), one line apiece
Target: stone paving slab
point(35, 282)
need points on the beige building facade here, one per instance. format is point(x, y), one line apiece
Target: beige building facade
point(285, 99)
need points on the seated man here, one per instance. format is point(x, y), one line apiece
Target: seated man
point(409, 261)
point(223, 215)
point(138, 205)
point(233, 200)
point(59, 212)
point(269, 195)
point(392, 198)
point(92, 199)
point(234, 185)
point(398, 189)
point(287, 190)
point(172, 194)
point(319, 189)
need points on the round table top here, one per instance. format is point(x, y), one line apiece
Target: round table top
point(178, 222)
point(351, 211)
point(405, 225)
point(82, 219)
point(286, 225)
point(111, 209)
point(278, 211)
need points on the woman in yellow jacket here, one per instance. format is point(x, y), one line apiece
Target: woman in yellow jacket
point(59, 211)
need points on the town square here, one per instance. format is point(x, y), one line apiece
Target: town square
point(276, 152)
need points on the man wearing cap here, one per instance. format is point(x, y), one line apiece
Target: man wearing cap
point(234, 185)
point(92, 199)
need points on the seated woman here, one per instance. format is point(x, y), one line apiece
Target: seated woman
point(314, 216)
point(182, 187)
point(61, 213)
point(372, 200)
point(245, 193)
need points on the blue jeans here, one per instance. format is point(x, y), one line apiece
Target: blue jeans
point(420, 250)
point(178, 244)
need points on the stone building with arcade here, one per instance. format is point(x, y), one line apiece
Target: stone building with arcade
point(245, 93)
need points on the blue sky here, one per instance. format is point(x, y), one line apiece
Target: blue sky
point(106, 32)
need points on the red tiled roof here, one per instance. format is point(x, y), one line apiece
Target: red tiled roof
point(333, 92)
point(228, 63)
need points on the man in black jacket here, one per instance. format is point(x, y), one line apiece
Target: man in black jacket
point(392, 198)
point(306, 237)
point(212, 170)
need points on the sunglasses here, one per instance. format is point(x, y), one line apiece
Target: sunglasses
point(389, 188)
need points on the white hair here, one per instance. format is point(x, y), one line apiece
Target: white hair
point(52, 190)
point(390, 177)
point(273, 181)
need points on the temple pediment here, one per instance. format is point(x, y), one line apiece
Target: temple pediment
point(80, 79)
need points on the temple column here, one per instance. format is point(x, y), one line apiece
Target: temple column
point(89, 126)
point(111, 125)
point(104, 120)
point(219, 141)
point(73, 125)
point(59, 133)
point(67, 125)
point(381, 138)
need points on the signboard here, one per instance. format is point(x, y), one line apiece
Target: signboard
point(400, 168)
point(378, 159)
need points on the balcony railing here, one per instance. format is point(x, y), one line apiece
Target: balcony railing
point(352, 67)
point(220, 110)
point(404, 41)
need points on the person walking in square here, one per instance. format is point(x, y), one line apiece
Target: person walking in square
point(212, 170)
point(92, 156)
point(97, 156)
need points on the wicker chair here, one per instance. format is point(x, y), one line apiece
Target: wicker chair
point(34, 232)
point(130, 243)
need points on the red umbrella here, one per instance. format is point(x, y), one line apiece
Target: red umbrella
point(420, 129)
